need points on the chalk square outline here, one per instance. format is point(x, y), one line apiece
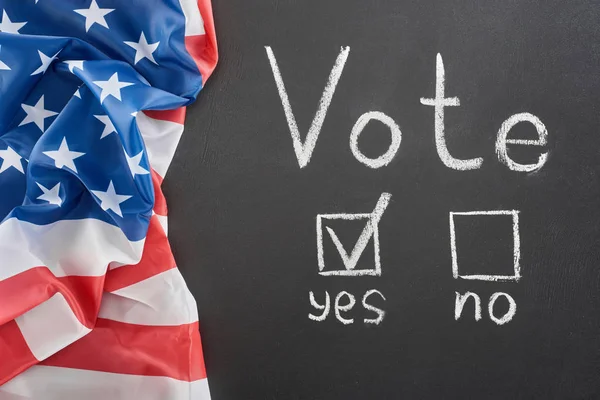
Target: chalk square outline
point(348, 272)
point(516, 247)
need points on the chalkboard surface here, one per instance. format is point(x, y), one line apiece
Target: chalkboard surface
point(420, 199)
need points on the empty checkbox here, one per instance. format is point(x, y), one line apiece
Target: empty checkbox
point(485, 245)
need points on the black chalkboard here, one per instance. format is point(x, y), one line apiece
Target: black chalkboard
point(243, 213)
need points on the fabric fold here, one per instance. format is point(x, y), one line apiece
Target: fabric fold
point(92, 105)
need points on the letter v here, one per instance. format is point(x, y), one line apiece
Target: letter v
point(304, 150)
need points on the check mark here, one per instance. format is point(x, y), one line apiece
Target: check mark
point(350, 260)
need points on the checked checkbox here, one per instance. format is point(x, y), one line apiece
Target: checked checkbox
point(370, 230)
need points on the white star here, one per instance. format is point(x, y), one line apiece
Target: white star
point(74, 64)
point(94, 15)
point(52, 196)
point(110, 200)
point(36, 114)
point(3, 66)
point(7, 26)
point(77, 94)
point(134, 114)
point(143, 49)
point(10, 158)
point(111, 87)
point(46, 61)
point(108, 125)
point(63, 157)
point(134, 164)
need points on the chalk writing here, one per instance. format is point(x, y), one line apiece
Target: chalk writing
point(346, 307)
point(344, 301)
point(340, 307)
point(388, 156)
point(304, 150)
point(439, 102)
point(502, 141)
point(461, 300)
point(380, 313)
point(316, 305)
point(512, 308)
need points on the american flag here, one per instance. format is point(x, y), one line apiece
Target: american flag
point(92, 105)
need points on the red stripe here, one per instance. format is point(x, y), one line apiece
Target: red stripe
point(203, 48)
point(160, 203)
point(177, 115)
point(22, 292)
point(205, 59)
point(15, 356)
point(156, 258)
point(121, 348)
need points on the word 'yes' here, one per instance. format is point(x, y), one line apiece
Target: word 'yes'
point(305, 149)
point(343, 308)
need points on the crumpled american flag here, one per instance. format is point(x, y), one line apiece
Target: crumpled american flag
point(92, 104)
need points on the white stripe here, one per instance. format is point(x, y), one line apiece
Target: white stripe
point(163, 299)
point(161, 139)
point(163, 222)
point(82, 247)
point(50, 327)
point(194, 25)
point(56, 383)
point(11, 396)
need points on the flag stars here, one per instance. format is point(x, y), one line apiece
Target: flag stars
point(110, 200)
point(46, 61)
point(36, 114)
point(7, 26)
point(108, 125)
point(10, 158)
point(64, 157)
point(52, 196)
point(111, 87)
point(143, 49)
point(94, 15)
point(134, 164)
point(72, 64)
